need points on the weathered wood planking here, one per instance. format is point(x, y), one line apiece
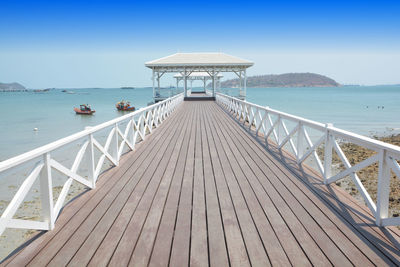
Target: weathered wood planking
point(202, 191)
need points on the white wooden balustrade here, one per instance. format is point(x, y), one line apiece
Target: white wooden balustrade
point(138, 124)
point(271, 125)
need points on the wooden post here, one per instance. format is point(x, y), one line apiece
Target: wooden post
point(383, 189)
point(185, 82)
point(278, 127)
point(158, 83)
point(154, 89)
point(245, 84)
point(116, 154)
point(328, 153)
point(300, 142)
point(91, 166)
point(46, 192)
point(240, 83)
point(213, 82)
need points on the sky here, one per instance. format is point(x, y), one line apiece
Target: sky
point(71, 44)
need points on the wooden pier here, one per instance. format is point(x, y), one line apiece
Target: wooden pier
point(201, 190)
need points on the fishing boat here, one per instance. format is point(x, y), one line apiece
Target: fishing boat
point(124, 106)
point(84, 110)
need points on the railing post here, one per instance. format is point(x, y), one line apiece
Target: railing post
point(278, 126)
point(328, 153)
point(91, 166)
point(142, 125)
point(382, 206)
point(133, 131)
point(116, 153)
point(46, 192)
point(300, 142)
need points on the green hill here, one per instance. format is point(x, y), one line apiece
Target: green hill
point(284, 80)
point(11, 87)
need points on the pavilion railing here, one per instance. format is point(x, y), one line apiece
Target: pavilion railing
point(121, 136)
point(272, 127)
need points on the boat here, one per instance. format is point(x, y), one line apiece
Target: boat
point(124, 106)
point(41, 90)
point(84, 110)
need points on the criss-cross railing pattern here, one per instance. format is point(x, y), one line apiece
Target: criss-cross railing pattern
point(138, 125)
point(273, 127)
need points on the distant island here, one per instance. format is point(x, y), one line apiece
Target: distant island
point(12, 87)
point(284, 80)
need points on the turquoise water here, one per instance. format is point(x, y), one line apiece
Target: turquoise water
point(365, 110)
point(351, 108)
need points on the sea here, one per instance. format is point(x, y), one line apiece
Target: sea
point(366, 110)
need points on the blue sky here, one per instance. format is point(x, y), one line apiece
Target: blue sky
point(105, 44)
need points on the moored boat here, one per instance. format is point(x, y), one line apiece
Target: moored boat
point(124, 106)
point(84, 110)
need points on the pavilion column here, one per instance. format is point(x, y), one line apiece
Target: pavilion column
point(213, 82)
point(158, 83)
point(240, 83)
point(154, 89)
point(177, 86)
point(185, 83)
point(245, 83)
point(204, 84)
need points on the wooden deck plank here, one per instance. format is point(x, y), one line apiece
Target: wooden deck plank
point(181, 243)
point(199, 243)
point(362, 239)
point(144, 245)
point(86, 200)
point(347, 247)
point(101, 218)
point(162, 245)
point(77, 209)
point(255, 248)
point(234, 240)
point(287, 239)
point(301, 212)
point(302, 236)
point(269, 237)
point(201, 190)
point(217, 242)
point(114, 219)
point(136, 210)
point(344, 241)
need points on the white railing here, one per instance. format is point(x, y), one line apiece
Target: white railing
point(272, 126)
point(138, 125)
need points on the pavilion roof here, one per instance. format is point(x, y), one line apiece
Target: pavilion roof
point(198, 59)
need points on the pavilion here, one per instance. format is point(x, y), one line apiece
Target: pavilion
point(188, 63)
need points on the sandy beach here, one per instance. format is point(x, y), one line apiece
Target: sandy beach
point(11, 239)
